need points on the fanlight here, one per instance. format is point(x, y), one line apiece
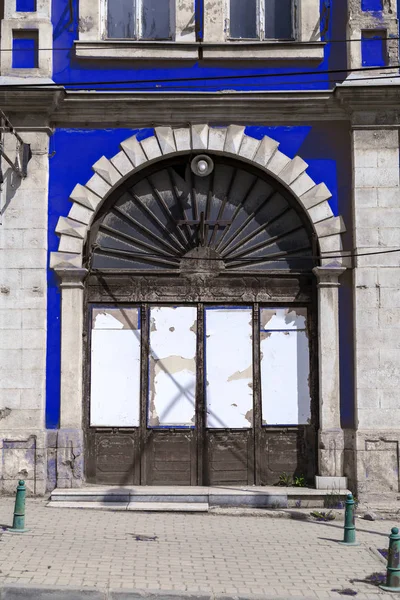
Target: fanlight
point(245, 219)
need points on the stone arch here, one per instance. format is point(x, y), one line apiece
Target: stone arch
point(231, 141)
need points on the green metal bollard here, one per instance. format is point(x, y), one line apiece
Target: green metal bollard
point(349, 538)
point(19, 510)
point(393, 566)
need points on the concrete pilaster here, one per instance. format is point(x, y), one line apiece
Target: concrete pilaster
point(71, 346)
point(330, 435)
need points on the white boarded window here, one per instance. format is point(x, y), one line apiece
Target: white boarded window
point(115, 367)
point(261, 19)
point(172, 366)
point(139, 19)
point(229, 367)
point(285, 366)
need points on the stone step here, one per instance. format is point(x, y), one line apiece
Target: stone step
point(118, 498)
point(135, 506)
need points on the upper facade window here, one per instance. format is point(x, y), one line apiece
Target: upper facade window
point(139, 19)
point(261, 19)
point(230, 30)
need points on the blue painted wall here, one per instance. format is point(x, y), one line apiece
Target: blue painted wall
point(76, 150)
point(69, 69)
point(324, 147)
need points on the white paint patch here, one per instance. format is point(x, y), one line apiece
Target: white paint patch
point(172, 393)
point(229, 368)
point(285, 367)
point(115, 370)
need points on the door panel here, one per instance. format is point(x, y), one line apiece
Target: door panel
point(171, 437)
point(290, 451)
point(171, 457)
point(229, 457)
point(114, 457)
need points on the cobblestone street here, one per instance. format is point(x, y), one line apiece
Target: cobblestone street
point(211, 553)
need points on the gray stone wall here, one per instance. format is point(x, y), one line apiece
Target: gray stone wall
point(23, 258)
point(377, 309)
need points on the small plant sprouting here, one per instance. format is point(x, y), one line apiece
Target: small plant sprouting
point(323, 516)
point(299, 481)
point(287, 480)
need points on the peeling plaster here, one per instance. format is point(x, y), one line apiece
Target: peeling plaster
point(229, 367)
point(115, 318)
point(285, 367)
point(277, 319)
point(172, 368)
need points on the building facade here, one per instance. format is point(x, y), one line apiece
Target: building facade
point(200, 278)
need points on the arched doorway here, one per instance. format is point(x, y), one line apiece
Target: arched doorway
point(148, 238)
point(201, 313)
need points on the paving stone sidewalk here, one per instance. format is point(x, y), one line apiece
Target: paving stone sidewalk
point(192, 553)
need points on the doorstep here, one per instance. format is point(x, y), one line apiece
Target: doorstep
point(192, 499)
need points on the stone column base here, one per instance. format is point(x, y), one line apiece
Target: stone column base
point(335, 484)
point(330, 452)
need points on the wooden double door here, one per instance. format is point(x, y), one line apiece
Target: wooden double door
point(200, 393)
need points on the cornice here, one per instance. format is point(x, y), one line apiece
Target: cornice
point(359, 104)
point(44, 100)
point(177, 108)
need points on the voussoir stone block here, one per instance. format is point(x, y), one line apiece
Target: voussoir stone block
point(234, 139)
point(200, 137)
point(293, 170)
point(332, 226)
point(320, 212)
point(68, 226)
point(331, 244)
point(249, 147)
point(302, 184)
point(265, 151)
point(98, 185)
point(82, 195)
point(81, 213)
point(122, 163)
point(165, 137)
point(216, 138)
point(315, 195)
point(65, 260)
point(134, 151)
point(151, 148)
point(70, 244)
point(278, 162)
point(183, 139)
point(107, 171)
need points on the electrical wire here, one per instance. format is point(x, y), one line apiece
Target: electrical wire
point(261, 86)
point(217, 78)
point(202, 44)
point(341, 254)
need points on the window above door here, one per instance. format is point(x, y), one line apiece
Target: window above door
point(260, 20)
point(226, 29)
point(263, 29)
point(139, 19)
